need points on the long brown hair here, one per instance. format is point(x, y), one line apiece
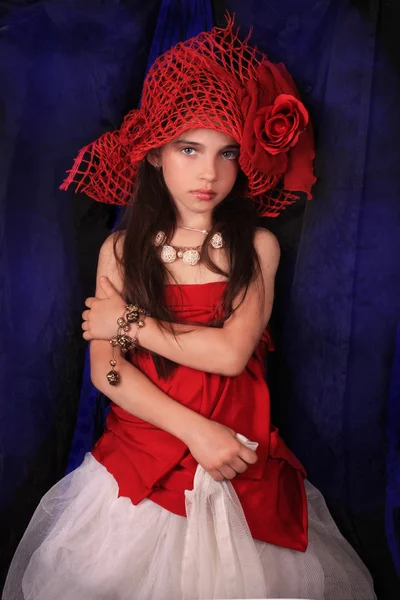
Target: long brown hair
point(145, 275)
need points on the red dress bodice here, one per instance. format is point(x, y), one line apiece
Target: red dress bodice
point(148, 462)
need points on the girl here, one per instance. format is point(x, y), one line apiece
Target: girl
point(190, 492)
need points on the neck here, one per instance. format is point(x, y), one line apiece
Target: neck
point(195, 222)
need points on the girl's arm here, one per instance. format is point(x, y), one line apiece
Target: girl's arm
point(225, 350)
point(215, 350)
point(213, 445)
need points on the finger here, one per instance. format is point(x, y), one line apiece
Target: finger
point(85, 326)
point(85, 315)
point(249, 456)
point(107, 287)
point(86, 336)
point(89, 302)
point(238, 465)
point(216, 475)
point(227, 472)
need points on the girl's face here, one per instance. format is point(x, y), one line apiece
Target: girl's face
point(200, 168)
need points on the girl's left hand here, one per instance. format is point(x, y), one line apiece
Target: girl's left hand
point(100, 321)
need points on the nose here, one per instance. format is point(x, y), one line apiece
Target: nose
point(208, 171)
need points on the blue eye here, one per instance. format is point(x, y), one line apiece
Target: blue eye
point(230, 154)
point(188, 151)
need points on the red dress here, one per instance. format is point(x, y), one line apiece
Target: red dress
point(148, 462)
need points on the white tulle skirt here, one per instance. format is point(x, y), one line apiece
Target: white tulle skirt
point(86, 543)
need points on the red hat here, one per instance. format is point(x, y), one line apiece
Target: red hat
point(213, 81)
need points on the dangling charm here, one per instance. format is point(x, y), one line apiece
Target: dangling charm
point(134, 314)
point(112, 376)
point(168, 254)
point(217, 241)
point(191, 257)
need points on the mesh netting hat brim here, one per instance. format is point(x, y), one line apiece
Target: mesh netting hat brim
point(213, 81)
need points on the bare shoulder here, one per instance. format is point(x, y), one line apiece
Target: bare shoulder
point(114, 243)
point(267, 247)
point(108, 265)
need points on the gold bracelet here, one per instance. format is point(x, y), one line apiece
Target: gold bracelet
point(134, 314)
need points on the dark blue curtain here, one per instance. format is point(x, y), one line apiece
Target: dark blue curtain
point(338, 297)
point(68, 72)
point(393, 463)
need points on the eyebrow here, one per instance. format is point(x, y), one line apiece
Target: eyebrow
point(189, 143)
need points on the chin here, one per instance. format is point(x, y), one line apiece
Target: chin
point(204, 209)
point(207, 205)
point(200, 207)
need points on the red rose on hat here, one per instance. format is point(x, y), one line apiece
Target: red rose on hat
point(275, 121)
point(277, 127)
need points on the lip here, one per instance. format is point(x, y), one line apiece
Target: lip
point(204, 194)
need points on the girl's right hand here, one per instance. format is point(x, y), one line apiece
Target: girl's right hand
point(218, 451)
